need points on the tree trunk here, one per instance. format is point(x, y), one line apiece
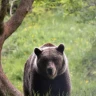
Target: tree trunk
point(6, 29)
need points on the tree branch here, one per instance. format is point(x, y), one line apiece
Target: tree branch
point(17, 18)
point(7, 87)
point(3, 9)
point(3, 13)
point(6, 29)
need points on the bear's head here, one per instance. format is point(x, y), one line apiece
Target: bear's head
point(50, 61)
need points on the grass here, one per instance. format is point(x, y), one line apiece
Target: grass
point(56, 28)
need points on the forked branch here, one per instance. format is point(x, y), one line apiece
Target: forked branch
point(3, 13)
point(15, 21)
point(6, 29)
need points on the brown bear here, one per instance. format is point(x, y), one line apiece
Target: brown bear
point(46, 72)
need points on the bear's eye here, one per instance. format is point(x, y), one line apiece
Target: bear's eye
point(54, 59)
point(44, 60)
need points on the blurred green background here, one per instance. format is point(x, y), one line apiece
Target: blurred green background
point(71, 22)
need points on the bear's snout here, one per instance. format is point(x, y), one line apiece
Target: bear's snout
point(50, 71)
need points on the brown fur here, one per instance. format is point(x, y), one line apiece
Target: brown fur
point(47, 70)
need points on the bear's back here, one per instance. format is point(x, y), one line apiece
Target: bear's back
point(47, 45)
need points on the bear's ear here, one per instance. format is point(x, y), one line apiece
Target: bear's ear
point(37, 51)
point(60, 48)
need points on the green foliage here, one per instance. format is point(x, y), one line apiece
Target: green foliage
point(89, 60)
point(56, 25)
point(84, 9)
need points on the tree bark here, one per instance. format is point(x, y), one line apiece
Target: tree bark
point(17, 18)
point(6, 29)
point(2, 14)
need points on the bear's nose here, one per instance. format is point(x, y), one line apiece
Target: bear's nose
point(49, 71)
